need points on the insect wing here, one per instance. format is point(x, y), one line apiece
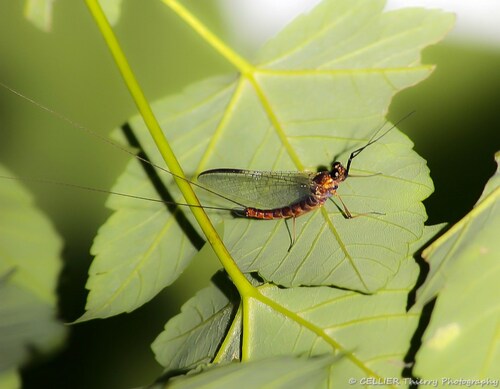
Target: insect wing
point(259, 189)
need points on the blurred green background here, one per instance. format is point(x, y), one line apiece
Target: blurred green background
point(456, 129)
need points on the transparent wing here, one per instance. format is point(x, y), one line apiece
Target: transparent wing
point(259, 189)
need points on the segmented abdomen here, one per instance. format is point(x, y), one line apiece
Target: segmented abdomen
point(294, 210)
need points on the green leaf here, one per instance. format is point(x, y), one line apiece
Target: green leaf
point(462, 338)
point(29, 266)
point(194, 336)
point(370, 333)
point(112, 9)
point(284, 372)
point(41, 12)
point(493, 183)
point(320, 89)
point(10, 380)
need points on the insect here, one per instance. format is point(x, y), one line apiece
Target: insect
point(282, 194)
point(258, 194)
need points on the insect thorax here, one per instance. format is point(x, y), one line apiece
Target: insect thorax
point(325, 186)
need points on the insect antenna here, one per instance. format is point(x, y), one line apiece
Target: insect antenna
point(108, 141)
point(374, 139)
point(106, 191)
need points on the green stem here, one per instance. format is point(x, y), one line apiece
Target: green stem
point(163, 146)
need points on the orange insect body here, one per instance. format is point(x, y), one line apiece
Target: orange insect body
point(323, 186)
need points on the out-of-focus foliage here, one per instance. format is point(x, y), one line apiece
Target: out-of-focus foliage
point(30, 264)
point(70, 70)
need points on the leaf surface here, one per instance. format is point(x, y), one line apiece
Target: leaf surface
point(369, 333)
point(10, 379)
point(317, 91)
point(41, 12)
point(285, 372)
point(193, 337)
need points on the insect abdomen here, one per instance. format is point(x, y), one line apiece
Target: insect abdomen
point(293, 210)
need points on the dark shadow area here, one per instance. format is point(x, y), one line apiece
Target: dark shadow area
point(456, 127)
point(196, 240)
point(98, 351)
point(425, 317)
point(416, 340)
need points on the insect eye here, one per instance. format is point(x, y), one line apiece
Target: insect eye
point(335, 170)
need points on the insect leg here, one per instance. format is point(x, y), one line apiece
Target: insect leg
point(348, 215)
point(291, 234)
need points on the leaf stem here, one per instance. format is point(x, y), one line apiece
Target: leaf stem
point(164, 147)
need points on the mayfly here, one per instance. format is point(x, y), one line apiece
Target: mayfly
point(282, 194)
point(258, 194)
